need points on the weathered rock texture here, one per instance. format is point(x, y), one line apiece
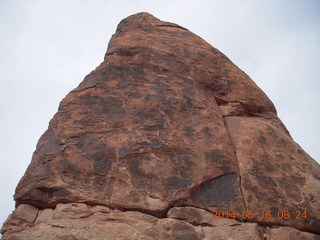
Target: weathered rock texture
point(166, 131)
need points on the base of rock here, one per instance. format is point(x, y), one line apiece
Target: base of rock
point(79, 221)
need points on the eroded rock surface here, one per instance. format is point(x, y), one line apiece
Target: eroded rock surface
point(165, 134)
point(81, 221)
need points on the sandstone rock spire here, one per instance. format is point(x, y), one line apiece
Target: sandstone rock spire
point(161, 138)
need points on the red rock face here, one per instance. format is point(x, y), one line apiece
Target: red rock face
point(169, 129)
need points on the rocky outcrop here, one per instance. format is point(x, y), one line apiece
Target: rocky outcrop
point(166, 139)
point(82, 221)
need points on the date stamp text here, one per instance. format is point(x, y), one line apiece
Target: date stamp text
point(265, 214)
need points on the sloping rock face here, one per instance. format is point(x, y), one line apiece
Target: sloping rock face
point(166, 139)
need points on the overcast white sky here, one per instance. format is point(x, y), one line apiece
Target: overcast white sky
point(48, 47)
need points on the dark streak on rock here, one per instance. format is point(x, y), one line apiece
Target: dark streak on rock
point(217, 191)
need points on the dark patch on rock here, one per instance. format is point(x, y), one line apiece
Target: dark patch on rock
point(123, 151)
point(179, 231)
point(187, 102)
point(220, 87)
point(215, 156)
point(125, 83)
point(154, 98)
point(262, 139)
point(156, 144)
point(97, 151)
point(189, 132)
point(68, 167)
point(178, 182)
point(162, 88)
point(50, 145)
point(217, 191)
point(207, 131)
point(282, 181)
point(106, 105)
point(186, 213)
point(170, 101)
point(281, 143)
point(185, 79)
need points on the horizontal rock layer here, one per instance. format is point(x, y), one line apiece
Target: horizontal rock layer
point(81, 221)
point(167, 122)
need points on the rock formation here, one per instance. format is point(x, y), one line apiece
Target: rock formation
point(166, 139)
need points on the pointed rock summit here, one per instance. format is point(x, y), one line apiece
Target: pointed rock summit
point(166, 139)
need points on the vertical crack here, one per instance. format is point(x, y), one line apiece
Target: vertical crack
point(235, 154)
point(35, 219)
point(117, 174)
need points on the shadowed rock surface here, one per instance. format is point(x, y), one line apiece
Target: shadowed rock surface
point(165, 134)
